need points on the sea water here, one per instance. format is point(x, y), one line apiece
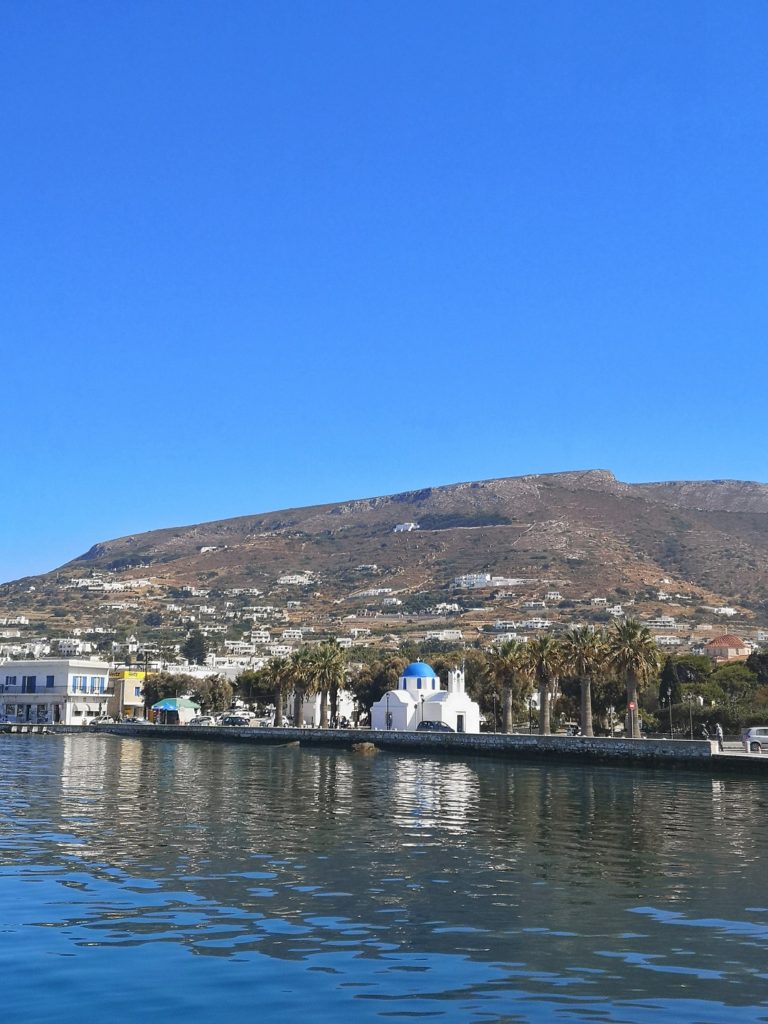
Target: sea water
point(156, 879)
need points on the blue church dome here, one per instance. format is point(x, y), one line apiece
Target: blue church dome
point(419, 670)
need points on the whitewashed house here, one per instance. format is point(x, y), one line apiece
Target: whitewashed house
point(70, 691)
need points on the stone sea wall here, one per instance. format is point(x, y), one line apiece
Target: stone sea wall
point(599, 750)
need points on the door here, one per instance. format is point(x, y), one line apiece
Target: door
point(459, 723)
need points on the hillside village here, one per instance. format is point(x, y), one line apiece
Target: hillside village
point(131, 620)
point(443, 569)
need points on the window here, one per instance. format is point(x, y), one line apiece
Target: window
point(418, 684)
point(49, 682)
point(10, 680)
point(28, 684)
point(434, 684)
point(137, 691)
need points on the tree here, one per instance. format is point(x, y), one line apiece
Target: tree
point(373, 680)
point(280, 674)
point(195, 647)
point(214, 693)
point(583, 652)
point(252, 686)
point(326, 671)
point(546, 662)
point(758, 663)
point(300, 680)
point(158, 685)
point(508, 666)
point(669, 683)
point(633, 654)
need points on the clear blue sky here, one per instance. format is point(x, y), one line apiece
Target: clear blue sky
point(263, 254)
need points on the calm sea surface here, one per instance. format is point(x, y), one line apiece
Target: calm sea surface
point(147, 879)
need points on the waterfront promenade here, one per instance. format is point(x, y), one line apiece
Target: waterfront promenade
point(653, 752)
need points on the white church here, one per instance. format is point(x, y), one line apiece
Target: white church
point(419, 698)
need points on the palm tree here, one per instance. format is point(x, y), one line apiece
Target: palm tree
point(583, 657)
point(633, 654)
point(300, 680)
point(280, 673)
point(326, 669)
point(546, 660)
point(508, 666)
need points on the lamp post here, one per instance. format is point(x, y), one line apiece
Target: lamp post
point(146, 673)
point(669, 703)
point(530, 715)
point(494, 711)
point(689, 699)
point(610, 721)
point(389, 714)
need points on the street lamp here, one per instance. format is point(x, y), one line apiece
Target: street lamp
point(530, 715)
point(689, 698)
point(389, 714)
point(494, 711)
point(669, 702)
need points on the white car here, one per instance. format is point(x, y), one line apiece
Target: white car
point(755, 739)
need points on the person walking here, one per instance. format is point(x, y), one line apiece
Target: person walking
point(719, 736)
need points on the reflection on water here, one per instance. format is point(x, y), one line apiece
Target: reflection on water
point(188, 878)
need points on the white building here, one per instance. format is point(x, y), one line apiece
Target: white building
point(446, 635)
point(668, 641)
point(310, 709)
point(663, 622)
point(68, 691)
point(419, 697)
point(406, 527)
point(73, 647)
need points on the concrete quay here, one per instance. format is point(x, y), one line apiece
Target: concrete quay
point(693, 754)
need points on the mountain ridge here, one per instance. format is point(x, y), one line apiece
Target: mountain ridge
point(590, 532)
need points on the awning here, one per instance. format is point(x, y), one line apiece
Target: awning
point(174, 704)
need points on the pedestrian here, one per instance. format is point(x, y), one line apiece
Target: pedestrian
point(704, 732)
point(719, 736)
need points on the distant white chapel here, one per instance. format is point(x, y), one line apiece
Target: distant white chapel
point(419, 698)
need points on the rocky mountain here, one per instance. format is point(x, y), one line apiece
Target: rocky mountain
point(585, 533)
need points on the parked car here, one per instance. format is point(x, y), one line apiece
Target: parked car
point(203, 720)
point(755, 739)
point(428, 726)
point(102, 720)
point(235, 720)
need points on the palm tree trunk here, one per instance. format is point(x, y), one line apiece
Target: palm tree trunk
point(545, 728)
point(324, 708)
point(634, 714)
point(279, 712)
point(506, 698)
point(586, 707)
point(298, 702)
